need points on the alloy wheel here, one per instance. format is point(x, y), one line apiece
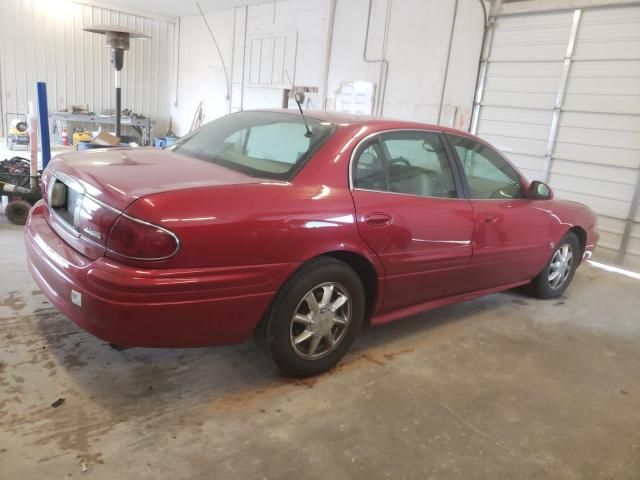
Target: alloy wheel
point(320, 321)
point(560, 267)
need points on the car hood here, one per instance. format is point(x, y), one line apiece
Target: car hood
point(119, 176)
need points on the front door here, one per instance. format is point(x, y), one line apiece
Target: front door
point(410, 214)
point(511, 241)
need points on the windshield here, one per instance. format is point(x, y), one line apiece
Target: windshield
point(260, 144)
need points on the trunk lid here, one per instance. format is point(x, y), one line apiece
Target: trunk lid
point(119, 176)
point(86, 192)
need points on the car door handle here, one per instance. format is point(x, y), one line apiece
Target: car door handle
point(490, 218)
point(378, 219)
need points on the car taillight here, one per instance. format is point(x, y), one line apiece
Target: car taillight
point(94, 220)
point(138, 240)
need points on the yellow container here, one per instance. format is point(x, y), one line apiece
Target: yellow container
point(81, 137)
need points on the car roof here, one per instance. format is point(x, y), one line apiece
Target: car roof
point(350, 119)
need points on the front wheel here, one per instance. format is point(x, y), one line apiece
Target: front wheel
point(557, 274)
point(314, 318)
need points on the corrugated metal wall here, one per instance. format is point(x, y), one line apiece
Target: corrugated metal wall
point(594, 157)
point(43, 40)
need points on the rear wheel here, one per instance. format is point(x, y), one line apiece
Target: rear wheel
point(314, 318)
point(557, 274)
point(17, 211)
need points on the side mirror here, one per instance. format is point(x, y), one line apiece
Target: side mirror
point(539, 191)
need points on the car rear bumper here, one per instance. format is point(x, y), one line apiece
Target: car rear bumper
point(149, 307)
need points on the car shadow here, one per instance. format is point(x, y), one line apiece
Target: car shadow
point(228, 374)
point(86, 389)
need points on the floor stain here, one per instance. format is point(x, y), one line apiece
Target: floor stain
point(519, 301)
point(73, 361)
point(13, 301)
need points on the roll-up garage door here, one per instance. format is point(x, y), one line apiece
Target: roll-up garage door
point(561, 97)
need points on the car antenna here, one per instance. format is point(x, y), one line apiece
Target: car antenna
point(295, 95)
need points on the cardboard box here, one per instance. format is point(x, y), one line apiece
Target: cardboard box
point(84, 109)
point(105, 138)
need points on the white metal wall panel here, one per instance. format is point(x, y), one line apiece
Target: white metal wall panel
point(596, 152)
point(599, 128)
point(44, 41)
point(271, 57)
point(525, 64)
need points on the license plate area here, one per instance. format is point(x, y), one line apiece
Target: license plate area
point(65, 202)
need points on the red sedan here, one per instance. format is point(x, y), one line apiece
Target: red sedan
point(299, 233)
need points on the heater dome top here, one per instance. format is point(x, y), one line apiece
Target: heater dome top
point(116, 29)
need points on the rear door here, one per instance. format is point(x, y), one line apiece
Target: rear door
point(512, 232)
point(411, 214)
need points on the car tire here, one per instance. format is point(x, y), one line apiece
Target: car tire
point(17, 211)
point(304, 340)
point(558, 272)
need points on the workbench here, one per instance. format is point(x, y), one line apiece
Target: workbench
point(141, 125)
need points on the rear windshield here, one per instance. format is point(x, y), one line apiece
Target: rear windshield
point(260, 144)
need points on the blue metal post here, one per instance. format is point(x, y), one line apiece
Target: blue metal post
point(43, 118)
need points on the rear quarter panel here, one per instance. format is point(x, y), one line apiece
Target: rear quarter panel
point(253, 224)
point(269, 222)
point(269, 228)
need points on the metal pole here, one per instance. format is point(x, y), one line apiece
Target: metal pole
point(484, 63)
point(244, 55)
point(327, 52)
point(633, 210)
point(446, 65)
point(555, 119)
point(43, 116)
point(118, 103)
point(385, 42)
point(175, 103)
point(33, 143)
point(233, 58)
point(382, 60)
point(215, 43)
point(482, 76)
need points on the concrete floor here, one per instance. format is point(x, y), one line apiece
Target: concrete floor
point(504, 387)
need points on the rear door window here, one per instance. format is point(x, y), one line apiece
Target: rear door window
point(410, 162)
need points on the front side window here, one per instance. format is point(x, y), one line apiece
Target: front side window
point(261, 144)
point(408, 162)
point(488, 175)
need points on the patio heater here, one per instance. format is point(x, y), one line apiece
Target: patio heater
point(117, 39)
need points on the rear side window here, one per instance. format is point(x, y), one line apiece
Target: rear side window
point(418, 164)
point(408, 162)
point(369, 169)
point(488, 175)
point(260, 144)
